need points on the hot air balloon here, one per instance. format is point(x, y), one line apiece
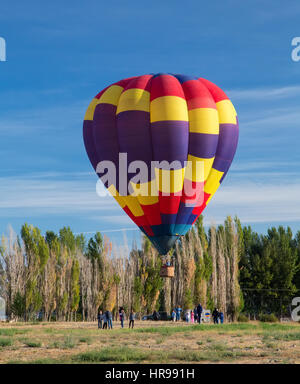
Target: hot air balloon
point(165, 119)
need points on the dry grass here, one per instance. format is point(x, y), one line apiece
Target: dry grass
point(159, 342)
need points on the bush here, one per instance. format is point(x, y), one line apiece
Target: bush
point(268, 318)
point(5, 342)
point(242, 318)
point(32, 344)
point(69, 343)
point(122, 354)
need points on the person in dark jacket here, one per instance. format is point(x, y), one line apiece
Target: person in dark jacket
point(120, 310)
point(122, 318)
point(105, 320)
point(131, 319)
point(100, 319)
point(195, 315)
point(199, 313)
point(215, 316)
point(109, 319)
point(155, 316)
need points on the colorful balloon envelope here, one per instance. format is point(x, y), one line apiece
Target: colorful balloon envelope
point(171, 139)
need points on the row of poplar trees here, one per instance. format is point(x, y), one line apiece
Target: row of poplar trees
point(65, 277)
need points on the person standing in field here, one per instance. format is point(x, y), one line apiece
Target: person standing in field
point(173, 315)
point(215, 316)
point(120, 311)
point(195, 314)
point(104, 317)
point(109, 319)
point(100, 319)
point(199, 312)
point(131, 319)
point(178, 313)
point(192, 316)
point(187, 316)
point(221, 317)
point(122, 318)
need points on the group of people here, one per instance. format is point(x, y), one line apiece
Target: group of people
point(105, 319)
point(193, 316)
point(122, 317)
point(218, 315)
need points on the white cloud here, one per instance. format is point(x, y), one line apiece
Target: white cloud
point(256, 203)
point(275, 118)
point(53, 118)
point(258, 199)
point(261, 165)
point(265, 94)
point(52, 194)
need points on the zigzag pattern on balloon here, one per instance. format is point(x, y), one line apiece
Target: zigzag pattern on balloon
point(164, 117)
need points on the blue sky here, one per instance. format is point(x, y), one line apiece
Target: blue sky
point(59, 55)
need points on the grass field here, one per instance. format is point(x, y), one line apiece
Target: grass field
point(150, 342)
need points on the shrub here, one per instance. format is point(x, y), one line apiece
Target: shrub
point(85, 339)
point(268, 318)
point(69, 343)
point(242, 318)
point(5, 342)
point(32, 344)
point(12, 331)
point(122, 354)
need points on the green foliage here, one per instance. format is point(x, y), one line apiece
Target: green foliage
point(153, 284)
point(138, 291)
point(202, 233)
point(268, 272)
point(75, 286)
point(69, 343)
point(123, 354)
point(50, 238)
point(268, 266)
point(12, 331)
point(188, 300)
point(67, 239)
point(18, 305)
point(80, 242)
point(35, 245)
point(242, 318)
point(32, 343)
point(85, 339)
point(95, 249)
point(209, 301)
point(268, 318)
point(5, 342)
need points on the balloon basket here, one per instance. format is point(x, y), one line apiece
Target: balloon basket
point(166, 271)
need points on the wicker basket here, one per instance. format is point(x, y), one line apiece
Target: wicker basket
point(166, 271)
